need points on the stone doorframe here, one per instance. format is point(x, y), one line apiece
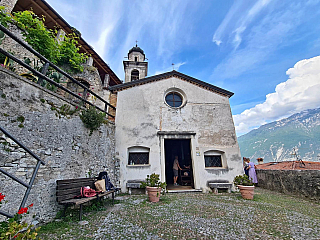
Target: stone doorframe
point(178, 135)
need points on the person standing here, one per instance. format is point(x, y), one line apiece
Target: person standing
point(175, 168)
point(252, 171)
point(246, 165)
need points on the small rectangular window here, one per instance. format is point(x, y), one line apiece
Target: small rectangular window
point(138, 158)
point(213, 161)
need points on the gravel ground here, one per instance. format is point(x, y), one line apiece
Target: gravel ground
point(195, 216)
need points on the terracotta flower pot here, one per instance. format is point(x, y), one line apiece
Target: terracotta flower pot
point(154, 193)
point(246, 191)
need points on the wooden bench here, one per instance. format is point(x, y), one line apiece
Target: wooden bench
point(67, 189)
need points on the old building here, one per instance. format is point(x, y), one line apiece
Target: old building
point(157, 118)
point(168, 115)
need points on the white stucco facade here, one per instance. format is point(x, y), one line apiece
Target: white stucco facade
point(145, 120)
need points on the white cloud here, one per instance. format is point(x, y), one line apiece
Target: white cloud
point(239, 17)
point(298, 93)
point(109, 20)
point(157, 25)
point(221, 31)
point(266, 36)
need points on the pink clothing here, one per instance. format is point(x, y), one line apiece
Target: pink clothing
point(252, 173)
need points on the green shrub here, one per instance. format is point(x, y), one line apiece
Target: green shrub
point(92, 119)
point(20, 119)
point(242, 180)
point(37, 35)
point(44, 41)
point(69, 53)
point(153, 180)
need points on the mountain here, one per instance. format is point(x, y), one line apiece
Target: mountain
point(275, 141)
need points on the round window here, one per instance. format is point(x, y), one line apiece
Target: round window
point(174, 99)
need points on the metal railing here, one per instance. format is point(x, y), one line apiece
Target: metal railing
point(45, 69)
point(27, 185)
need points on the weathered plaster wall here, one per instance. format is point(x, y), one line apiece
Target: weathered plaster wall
point(304, 183)
point(142, 112)
point(62, 142)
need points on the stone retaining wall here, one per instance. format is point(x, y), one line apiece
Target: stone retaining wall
point(304, 183)
point(31, 114)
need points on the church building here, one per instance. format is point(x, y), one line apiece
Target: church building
point(168, 115)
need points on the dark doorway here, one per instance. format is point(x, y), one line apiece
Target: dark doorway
point(180, 148)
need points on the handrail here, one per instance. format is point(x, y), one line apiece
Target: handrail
point(49, 80)
point(21, 145)
point(28, 186)
point(6, 31)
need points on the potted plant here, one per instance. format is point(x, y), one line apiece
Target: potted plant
point(153, 187)
point(245, 186)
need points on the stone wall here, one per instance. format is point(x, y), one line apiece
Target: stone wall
point(304, 183)
point(9, 4)
point(90, 74)
point(31, 114)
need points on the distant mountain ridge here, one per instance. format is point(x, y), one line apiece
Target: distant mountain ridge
point(275, 141)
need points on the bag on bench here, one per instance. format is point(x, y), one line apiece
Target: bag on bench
point(100, 185)
point(86, 192)
point(109, 186)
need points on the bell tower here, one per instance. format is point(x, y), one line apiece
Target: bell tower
point(135, 67)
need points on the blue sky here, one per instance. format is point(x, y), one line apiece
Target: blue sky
point(265, 51)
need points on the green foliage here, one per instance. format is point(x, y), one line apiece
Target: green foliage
point(242, 180)
point(92, 119)
point(7, 62)
point(51, 73)
point(17, 230)
point(20, 119)
point(64, 110)
point(5, 143)
point(55, 226)
point(42, 100)
point(21, 125)
point(153, 180)
point(89, 174)
point(37, 35)
point(2, 57)
point(5, 17)
point(3, 95)
point(14, 228)
point(44, 41)
point(69, 53)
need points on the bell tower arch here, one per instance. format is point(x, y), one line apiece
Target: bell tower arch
point(136, 67)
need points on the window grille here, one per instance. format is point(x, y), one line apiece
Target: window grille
point(213, 161)
point(138, 158)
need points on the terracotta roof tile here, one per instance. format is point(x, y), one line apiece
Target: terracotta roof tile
point(290, 165)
